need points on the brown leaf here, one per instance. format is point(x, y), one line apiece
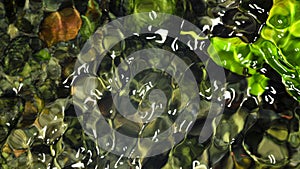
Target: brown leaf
point(60, 26)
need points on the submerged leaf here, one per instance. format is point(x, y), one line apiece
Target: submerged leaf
point(60, 26)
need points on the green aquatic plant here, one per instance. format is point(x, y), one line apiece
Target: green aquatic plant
point(277, 46)
point(281, 43)
point(165, 6)
point(241, 58)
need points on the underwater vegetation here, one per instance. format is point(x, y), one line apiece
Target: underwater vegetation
point(254, 41)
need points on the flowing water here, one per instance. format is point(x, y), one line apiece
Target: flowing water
point(57, 112)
